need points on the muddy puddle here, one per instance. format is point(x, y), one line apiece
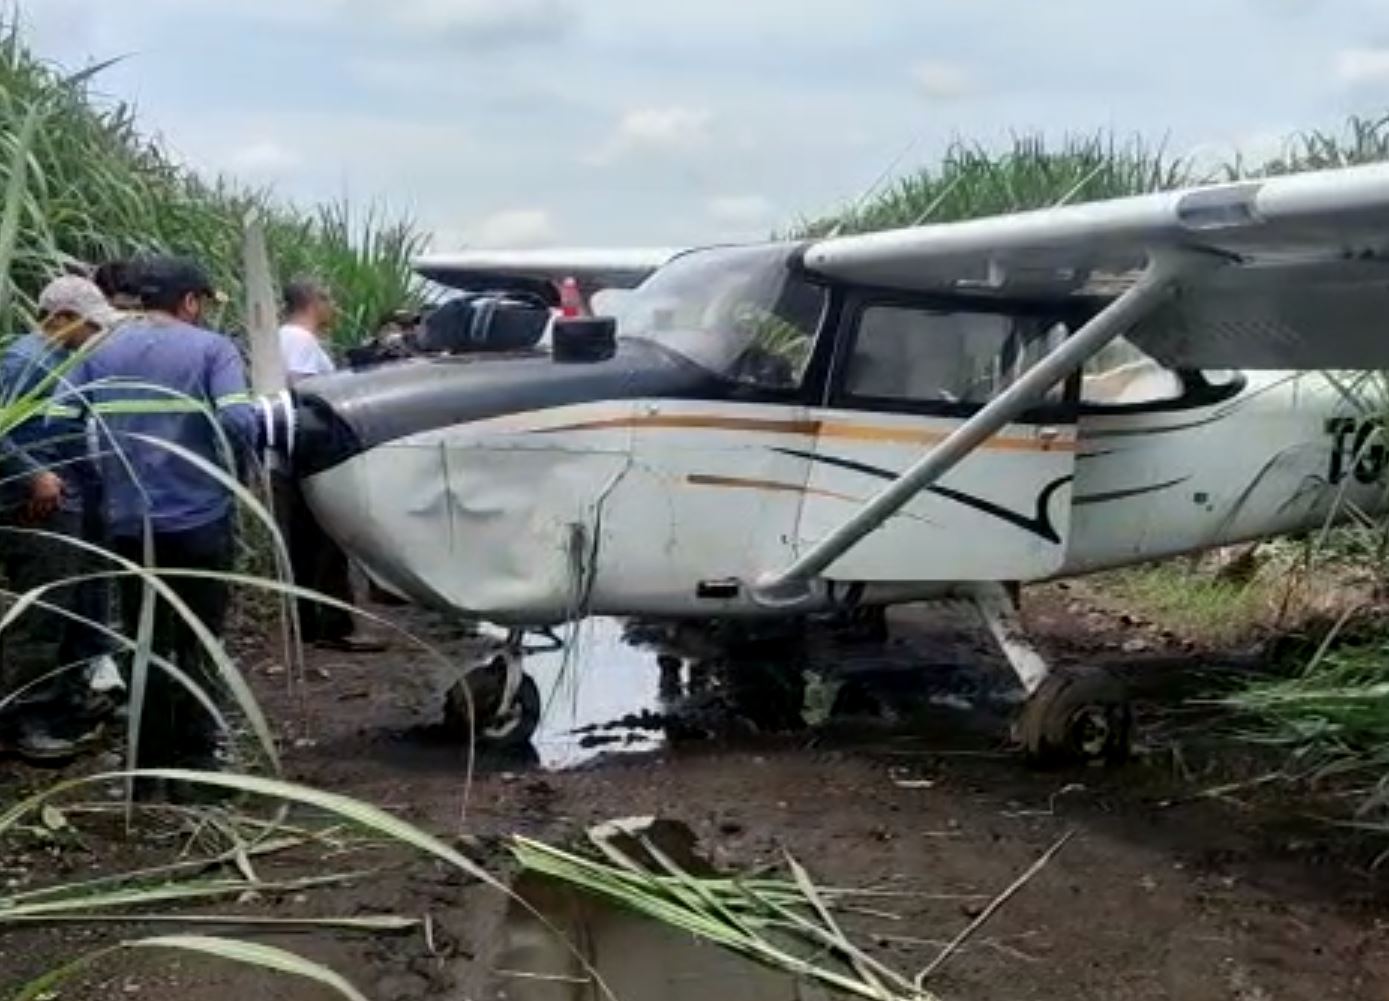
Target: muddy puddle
point(601, 694)
point(612, 687)
point(562, 942)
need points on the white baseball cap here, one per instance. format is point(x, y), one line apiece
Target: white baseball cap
point(79, 297)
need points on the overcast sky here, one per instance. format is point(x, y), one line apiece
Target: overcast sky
point(529, 122)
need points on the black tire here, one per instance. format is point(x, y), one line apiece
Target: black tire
point(1077, 717)
point(514, 730)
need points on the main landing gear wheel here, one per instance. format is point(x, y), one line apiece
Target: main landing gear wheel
point(1076, 717)
point(504, 720)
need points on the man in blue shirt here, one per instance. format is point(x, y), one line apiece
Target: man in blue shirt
point(53, 715)
point(159, 385)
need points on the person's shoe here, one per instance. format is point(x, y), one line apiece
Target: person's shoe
point(104, 677)
point(351, 644)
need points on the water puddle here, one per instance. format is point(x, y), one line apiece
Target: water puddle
point(601, 695)
point(611, 687)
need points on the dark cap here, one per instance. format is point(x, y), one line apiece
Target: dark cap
point(165, 280)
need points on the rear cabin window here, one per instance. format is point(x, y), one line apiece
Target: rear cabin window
point(921, 356)
point(1119, 375)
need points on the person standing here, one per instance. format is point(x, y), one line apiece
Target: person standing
point(159, 385)
point(316, 561)
point(119, 281)
point(56, 717)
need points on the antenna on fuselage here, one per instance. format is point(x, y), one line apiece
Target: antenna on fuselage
point(872, 189)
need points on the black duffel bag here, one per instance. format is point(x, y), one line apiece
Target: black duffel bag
point(484, 322)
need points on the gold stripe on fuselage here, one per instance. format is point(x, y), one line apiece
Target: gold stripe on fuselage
point(771, 486)
point(838, 430)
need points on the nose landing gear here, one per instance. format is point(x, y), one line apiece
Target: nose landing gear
point(496, 705)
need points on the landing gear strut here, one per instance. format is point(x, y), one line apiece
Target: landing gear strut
point(1071, 716)
point(496, 705)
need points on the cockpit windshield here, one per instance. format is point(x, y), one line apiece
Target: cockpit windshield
point(741, 312)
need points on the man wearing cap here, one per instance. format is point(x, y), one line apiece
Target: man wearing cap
point(53, 714)
point(170, 399)
point(317, 562)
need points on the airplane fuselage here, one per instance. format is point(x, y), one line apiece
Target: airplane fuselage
point(669, 506)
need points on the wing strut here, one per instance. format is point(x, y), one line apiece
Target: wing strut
point(1159, 281)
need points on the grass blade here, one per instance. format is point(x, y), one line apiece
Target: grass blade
point(253, 954)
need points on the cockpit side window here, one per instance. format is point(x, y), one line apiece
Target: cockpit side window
point(924, 356)
point(781, 339)
point(744, 314)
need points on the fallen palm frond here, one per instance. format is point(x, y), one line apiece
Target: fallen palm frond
point(185, 891)
point(784, 924)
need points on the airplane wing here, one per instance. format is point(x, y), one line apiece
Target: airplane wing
point(1299, 276)
point(534, 270)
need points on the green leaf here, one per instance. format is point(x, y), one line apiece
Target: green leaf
point(253, 954)
point(247, 953)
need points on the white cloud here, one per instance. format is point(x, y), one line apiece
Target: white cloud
point(504, 23)
point(1356, 67)
point(740, 210)
point(514, 228)
point(263, 156)
point(430, 107)
point(495, 21)
point(670, 129)
point(942, 81)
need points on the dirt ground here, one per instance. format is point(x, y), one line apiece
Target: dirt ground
point(1163, 892)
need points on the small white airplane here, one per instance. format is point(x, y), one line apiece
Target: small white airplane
point(945, 411)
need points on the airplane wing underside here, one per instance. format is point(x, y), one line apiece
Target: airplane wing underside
point(1297, 275)
point(594, 269)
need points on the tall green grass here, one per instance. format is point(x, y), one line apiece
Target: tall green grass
point(96, 188)
point(972, 180)
point(1333, 714)
point(1034, 172)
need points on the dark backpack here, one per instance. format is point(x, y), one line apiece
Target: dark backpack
point(484, 322)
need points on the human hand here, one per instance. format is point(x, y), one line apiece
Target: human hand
point(45, 494)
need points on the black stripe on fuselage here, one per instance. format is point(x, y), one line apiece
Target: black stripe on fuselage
point(1039, 524)
point(1114, 495)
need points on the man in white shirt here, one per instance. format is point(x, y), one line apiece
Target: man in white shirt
point(309, 313)
point(316, 561)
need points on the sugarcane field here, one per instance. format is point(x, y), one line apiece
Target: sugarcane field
point(550, 500)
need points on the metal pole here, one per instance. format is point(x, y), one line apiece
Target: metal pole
point(1157, 282)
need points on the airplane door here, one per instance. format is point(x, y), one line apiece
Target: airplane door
point(906, 376)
